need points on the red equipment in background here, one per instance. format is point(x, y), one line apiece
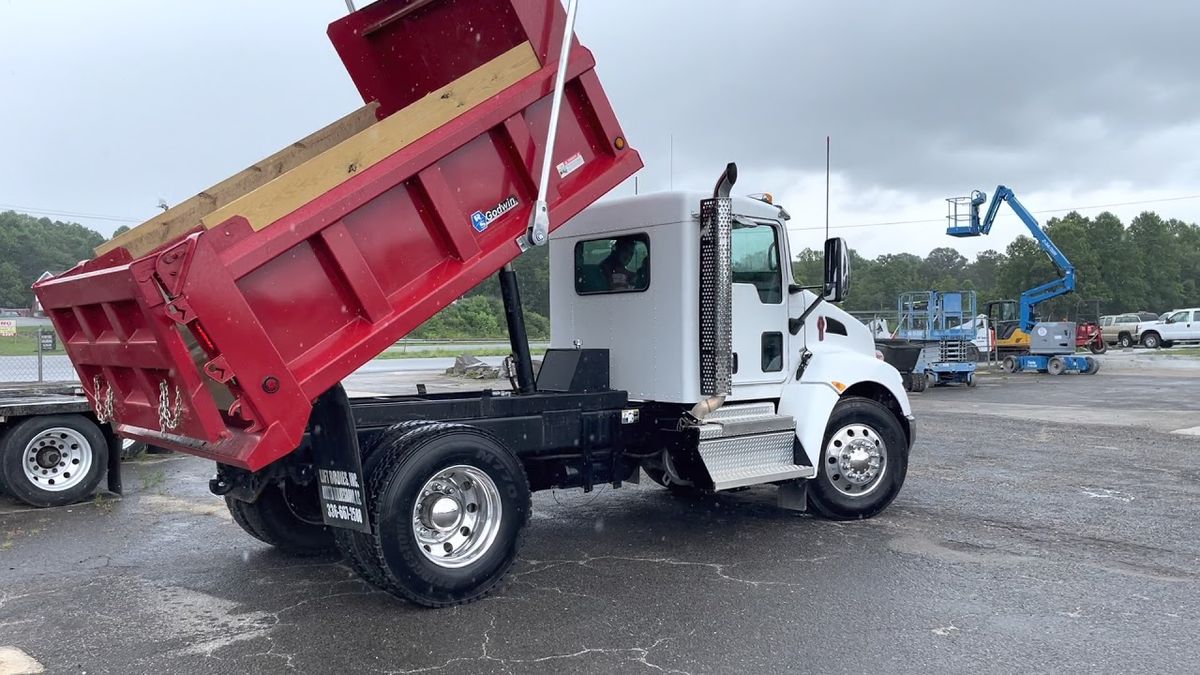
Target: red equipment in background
point(216, 342)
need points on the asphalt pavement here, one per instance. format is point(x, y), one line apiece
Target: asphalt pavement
point(1018, 544)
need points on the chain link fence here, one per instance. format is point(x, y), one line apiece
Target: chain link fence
point(32, 354)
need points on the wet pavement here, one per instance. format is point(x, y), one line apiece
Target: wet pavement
point(1026, 539)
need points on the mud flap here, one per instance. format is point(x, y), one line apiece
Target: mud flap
point(114, 460)
point(340, 480)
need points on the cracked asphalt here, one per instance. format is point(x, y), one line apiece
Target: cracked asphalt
point(1048, 524)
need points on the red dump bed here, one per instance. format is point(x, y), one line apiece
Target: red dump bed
point(212, 328)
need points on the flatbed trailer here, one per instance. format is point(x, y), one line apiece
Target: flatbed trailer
point(225, 329)
point(53, 451)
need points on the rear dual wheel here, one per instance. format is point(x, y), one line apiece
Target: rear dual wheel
point(448, 505)
point(286, 516)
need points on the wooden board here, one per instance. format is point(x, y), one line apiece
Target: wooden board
point(320, 174)
point(185, 216)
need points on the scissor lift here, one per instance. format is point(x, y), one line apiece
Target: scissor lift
point(943, 323)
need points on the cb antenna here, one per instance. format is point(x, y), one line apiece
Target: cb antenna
point(826, 187)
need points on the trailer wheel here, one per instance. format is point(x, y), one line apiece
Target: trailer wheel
point(52, 460)
point(864, 461)
point(286, 516)
point(356, 547)
point(449, 504)
point(1056, 366)
point(1125, 340)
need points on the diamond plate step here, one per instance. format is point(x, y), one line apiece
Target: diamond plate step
point(749, 460)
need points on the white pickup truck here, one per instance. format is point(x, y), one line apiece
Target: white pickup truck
point(1180, 325)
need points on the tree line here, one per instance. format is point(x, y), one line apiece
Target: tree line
point(1153, 264)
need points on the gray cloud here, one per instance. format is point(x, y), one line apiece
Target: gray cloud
point(110, 106)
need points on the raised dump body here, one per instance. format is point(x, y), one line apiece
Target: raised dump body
point(212, 328)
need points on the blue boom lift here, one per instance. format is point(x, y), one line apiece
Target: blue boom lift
point(1051, 346)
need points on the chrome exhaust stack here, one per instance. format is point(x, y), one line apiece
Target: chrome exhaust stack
point(716, 296)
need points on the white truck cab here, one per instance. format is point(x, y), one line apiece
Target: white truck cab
point(808, 404)
point(1178, 325)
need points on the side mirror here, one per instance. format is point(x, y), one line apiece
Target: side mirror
point(837, 270)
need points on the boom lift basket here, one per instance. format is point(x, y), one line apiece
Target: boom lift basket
point(212, 328)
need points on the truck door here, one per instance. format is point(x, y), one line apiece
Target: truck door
point(759, 304)
point(1177, 326)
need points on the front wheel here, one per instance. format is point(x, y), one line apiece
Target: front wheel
point(52, 460)
point(1056, 366)
point(1151, 341)
point(864, 461)
point(1009, 364)
point(449, 504)
point(1098, 346)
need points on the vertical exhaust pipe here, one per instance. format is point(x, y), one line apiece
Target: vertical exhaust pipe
point(716, 296)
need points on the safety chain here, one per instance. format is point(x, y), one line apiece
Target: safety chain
point(168, 415)
point(103, 405)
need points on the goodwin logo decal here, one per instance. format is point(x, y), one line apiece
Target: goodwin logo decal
point(481, 219)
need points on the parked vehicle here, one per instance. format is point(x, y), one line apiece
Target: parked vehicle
point(53, 450)
point(1120, 329)
point(1180, 325)
point(681, 343)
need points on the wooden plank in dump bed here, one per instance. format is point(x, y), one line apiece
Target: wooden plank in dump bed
point(273, 199)
point(185, 216)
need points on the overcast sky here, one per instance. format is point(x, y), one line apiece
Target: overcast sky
point(108, 106)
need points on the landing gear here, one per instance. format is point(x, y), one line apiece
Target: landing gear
point(863, 464)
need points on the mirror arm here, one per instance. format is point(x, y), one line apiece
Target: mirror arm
point(794, 325)
point(796, 288)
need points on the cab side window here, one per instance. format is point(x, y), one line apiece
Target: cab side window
point(613, 265)
point(756, 260)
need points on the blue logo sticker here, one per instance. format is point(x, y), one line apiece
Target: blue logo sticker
point(481, 219)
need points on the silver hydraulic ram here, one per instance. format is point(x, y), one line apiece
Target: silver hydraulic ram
point(538, 232)
point(716, 296)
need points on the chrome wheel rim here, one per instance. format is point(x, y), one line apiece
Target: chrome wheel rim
point(57, 459)
point(855, 460)
point(457, 516)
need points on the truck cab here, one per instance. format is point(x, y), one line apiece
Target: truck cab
point(627, 276)
point(1180, 325)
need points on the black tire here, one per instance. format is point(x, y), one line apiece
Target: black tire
point(80, 443)
point(920, 383)
point(393, 488)
point(829, 501)
point(1125, 340)
point(907, 380)
point(1056, 366)
point(1151, 340)
point(1093, 365)
point(970, 379)
point(1167, 344)
point(131, 449)
point(1009, 364)
point(1098, 346)
point(356, 547)
point(286, 516)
